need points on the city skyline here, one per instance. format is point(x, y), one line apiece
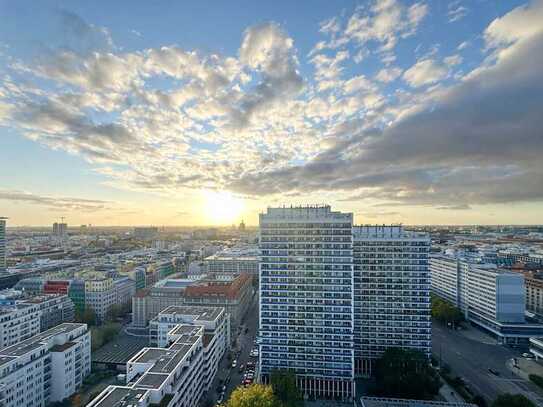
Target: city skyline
point(205, 114)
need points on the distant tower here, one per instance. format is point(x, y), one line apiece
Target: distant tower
point(2, 243)
point(242, 226)
point(60, 229)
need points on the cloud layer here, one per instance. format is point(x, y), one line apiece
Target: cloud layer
point(166, 119)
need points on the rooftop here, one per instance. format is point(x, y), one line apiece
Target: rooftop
point(200, 313)
point(120, 396)
point(38, 341)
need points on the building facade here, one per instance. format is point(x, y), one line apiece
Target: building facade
point(125, 289)
point(3, 243)
point(54, 309)
point(60, 229)
point(491, 298)
point(18, 322)
point(534, 295)
point(177, 374)
point(391, 293)
point(306, 298)
point(100, 296)
point(45, 368)
point(233, 294)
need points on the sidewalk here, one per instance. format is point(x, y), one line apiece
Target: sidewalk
point(525, 368)
point(449, 394)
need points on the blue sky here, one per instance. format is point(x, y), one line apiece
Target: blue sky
point(207, 112)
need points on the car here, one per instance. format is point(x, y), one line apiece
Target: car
point(527, 355)
point(494, 372)
point(224, 388)
point(234, 363)
point(241, 367)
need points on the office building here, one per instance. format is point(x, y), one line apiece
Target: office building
point(306, 298)
point(233, 261)
point(3, 244)
point(100, 296)
point(45, 368)
point(181, 371)
point(391, 293)
point(60, 229)
point(125, 289)
point(489, 297)
point(534, 294)
point(234, 294)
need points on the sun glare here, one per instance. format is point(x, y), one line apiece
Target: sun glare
point(222, 208)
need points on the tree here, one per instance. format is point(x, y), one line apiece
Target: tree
point(445, 312)
point(407, 374)
point(512, 400)
point(256, 395)
point(283, 383)
point(89, 317)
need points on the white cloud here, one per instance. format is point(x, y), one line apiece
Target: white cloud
point(453, 60)
point(520, 23)
point(463, 45)
point(424, 72)
point(385, 22)
point(455, 11)
point(388, 74)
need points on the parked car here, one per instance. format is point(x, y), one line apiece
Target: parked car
point(234, 363)
point(528, 355)
point(241, 368)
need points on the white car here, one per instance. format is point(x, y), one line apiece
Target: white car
point(527, 355)
point(234, 363)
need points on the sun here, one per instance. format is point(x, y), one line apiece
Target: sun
point(222, 208)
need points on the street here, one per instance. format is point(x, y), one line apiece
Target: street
point(245, 344)
point(471, 360)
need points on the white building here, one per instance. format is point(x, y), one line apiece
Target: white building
point(306, 298)
point(54, 309)
point(175, 375)
point(489, 297)
point(391, 293)
point(46, 368)
point(18, 322)
point(234, 261)
point(214, 320)
point(2, 243)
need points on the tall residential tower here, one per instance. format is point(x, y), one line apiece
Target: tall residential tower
point(2, 243)
point(334, 297)
point(391, 293)
point(306, 298)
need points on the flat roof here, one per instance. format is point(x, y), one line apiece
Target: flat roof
point(62, 348)
point(151, 380)
point(119, 396)
point(38, 340)
point(202, 313)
